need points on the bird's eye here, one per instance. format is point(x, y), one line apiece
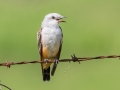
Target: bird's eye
point(53, 17)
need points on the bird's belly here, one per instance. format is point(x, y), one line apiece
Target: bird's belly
point(51, 46)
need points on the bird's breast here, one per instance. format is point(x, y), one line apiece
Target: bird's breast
point(51, 41)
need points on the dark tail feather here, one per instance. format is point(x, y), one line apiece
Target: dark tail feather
point(46, 74)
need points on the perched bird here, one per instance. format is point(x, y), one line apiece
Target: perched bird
point(49, 39)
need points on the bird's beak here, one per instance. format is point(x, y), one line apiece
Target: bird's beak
point(60, 20)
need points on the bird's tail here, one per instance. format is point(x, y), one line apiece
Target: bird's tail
point(46, 74)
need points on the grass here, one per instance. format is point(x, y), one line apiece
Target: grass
point(92, 29)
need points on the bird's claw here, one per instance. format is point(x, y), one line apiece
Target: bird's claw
point(46, 61)
point(56, 61)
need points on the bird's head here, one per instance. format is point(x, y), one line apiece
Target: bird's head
point(52, 20)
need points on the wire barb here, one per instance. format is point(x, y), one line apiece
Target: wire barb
point(74, 58)
point(8, 64)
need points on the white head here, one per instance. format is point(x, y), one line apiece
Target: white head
point(52, 20)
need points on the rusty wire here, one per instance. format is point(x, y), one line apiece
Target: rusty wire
point(74, 59)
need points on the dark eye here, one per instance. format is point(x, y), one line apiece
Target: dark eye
point(53, 17)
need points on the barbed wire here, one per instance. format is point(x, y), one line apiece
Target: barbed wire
point(73, 59)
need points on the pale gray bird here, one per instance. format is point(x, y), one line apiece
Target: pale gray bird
point(49, 39)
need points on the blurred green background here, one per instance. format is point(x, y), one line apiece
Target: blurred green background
point(92, 29)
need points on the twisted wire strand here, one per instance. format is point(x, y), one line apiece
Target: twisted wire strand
point(73, 59)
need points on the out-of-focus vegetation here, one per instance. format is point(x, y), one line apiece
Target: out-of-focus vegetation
point(92, 29)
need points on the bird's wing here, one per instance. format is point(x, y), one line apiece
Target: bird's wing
point(58, 55)
point(39, 42)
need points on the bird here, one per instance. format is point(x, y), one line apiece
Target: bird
point(49, 40)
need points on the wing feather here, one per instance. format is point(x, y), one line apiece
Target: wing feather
point(39, 42)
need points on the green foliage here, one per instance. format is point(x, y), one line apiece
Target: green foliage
point(92, 29)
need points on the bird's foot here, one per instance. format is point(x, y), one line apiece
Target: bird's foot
point(46, 61)
point(56, 61)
